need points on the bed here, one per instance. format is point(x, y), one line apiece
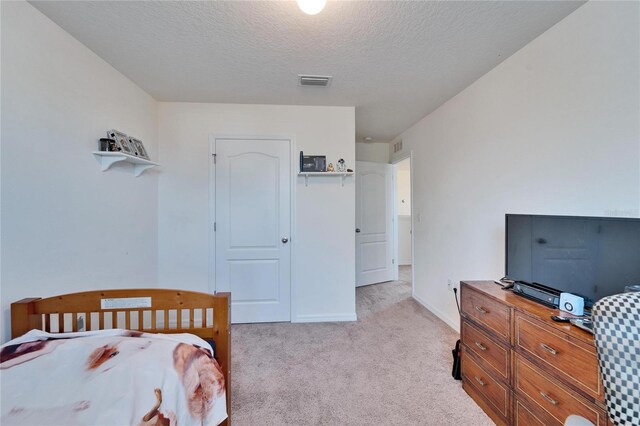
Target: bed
point(159, 317)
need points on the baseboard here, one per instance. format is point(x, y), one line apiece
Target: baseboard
point(438, 313)
point(404, 262)
point(325, 318)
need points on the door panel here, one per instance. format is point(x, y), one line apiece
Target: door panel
point(251, 227)
point(257, 278)
point(374, 256)
point(252, 215)
point(374, 200)
point(374, 220)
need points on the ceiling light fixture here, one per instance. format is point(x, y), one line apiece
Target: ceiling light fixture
point(311, 7)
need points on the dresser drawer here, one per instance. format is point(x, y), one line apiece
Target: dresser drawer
point(486, 348)
point(493, 315)
point(487, 407)
point(574, 361)
point(492, 389)
point(555, 400)
point(524, 415)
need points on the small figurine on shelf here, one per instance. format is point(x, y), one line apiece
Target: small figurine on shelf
point(330, 167)
point(341, 166)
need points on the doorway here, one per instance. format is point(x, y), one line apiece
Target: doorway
point(403, 219)
point(251, 192)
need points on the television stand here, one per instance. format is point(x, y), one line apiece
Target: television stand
point(522, 368)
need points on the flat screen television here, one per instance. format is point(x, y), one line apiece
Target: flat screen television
point(592, 257)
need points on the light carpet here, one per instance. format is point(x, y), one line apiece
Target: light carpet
point(391, 367)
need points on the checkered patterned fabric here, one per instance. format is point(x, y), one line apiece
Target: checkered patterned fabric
point(616, 325)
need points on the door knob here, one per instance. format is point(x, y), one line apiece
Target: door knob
point(357, 229)
point(285, 240)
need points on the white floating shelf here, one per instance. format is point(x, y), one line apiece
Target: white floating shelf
point(109, 158)
point(325, 174)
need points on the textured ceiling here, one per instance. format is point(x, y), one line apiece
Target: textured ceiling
point(394, 61)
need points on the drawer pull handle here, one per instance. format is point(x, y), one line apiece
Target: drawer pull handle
point(481, 346)
point(548, 398)
point(481, 309)
point(479, 380)
point(548, 349)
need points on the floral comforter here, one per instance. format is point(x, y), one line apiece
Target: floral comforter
point(110, 377)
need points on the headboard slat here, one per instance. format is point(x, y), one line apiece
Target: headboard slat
point(60, 322)
point(154, 320)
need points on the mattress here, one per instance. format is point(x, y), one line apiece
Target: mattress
point(110, 377)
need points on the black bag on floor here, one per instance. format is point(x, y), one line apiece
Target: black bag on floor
point(455, 372)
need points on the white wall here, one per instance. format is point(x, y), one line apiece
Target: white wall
point(323, 241)
point(67, 226)
point(554, 129)
point(375, 152)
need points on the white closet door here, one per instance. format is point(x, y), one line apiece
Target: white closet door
point(253, 224)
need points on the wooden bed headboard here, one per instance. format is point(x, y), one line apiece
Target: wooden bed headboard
point(167, 311)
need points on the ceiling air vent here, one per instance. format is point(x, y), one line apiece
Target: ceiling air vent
point(314, 80)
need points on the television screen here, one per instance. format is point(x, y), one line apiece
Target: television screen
point(590, 256)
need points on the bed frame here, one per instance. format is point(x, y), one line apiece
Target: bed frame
point(78, 309)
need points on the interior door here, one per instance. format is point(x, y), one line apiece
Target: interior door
point(374, 223)
point(252, 228)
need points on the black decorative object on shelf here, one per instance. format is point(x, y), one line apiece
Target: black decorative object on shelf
point(314, 163)
point(107, 144)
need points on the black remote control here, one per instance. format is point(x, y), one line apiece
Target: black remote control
point(560, 319)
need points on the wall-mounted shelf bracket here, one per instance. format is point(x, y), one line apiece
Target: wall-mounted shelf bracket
point(109, 158)
point(342, 175)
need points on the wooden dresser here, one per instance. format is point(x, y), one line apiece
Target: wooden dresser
point(520, 366)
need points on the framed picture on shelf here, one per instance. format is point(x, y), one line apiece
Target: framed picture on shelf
point(138, 148)
point(122, 142)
